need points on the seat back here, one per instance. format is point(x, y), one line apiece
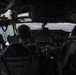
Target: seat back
point(68, 51)
point(17, 60)
point(16, 66)
point(68, 59)
point(65, 56)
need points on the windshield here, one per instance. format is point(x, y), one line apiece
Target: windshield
point(38, 26)
point(52, 26)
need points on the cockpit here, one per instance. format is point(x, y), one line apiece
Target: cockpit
point(51, 51)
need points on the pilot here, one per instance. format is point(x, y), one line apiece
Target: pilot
point(68, 52)
point(24, 33)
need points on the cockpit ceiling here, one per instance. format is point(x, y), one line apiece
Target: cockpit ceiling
point(47, 10)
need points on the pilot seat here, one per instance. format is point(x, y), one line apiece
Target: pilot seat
point(18, 59)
